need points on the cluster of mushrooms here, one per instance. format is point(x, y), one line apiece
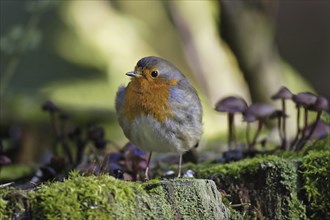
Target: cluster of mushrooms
point(260, 112)
point(84, 149)
point(128, 162)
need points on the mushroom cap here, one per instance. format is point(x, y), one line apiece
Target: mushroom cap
point(283, 93)
point(4, 160)
point(278, 114)
point(258, 111)
point(231, 104)
point(321, 104)
point(321, 130)
point(50, 106)
point(304, 99)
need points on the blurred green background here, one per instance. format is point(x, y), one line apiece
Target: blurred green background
point(76, 54)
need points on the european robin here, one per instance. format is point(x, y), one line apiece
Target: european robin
point(159, 110)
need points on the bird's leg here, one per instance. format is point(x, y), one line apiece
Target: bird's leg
point(180, 162)
point(146, 174)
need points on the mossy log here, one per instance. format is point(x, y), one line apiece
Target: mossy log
point(262, 188)
point(104, 197)
point(292, 186)
point(315, 177)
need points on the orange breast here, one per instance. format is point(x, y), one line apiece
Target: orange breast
point(145, 97)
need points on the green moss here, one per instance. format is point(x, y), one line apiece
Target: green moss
point(12, 203)
point(190, 205)
point(325, 117)
point(104, 197)
point(3, 205)
point(315, 170)
point(85, 198)
point(15, 171)
point(263, 187)
point(234, 214)
point(186, 199)
point(317, 145)
point(270, 186)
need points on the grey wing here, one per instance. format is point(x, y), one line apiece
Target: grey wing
point(186, 102)
point(120, 97)
point(119, 104)
point(187, 113)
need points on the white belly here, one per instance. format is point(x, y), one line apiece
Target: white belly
point(148, 134)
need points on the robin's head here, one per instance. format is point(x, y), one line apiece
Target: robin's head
point(155, 70)
point(150, 86)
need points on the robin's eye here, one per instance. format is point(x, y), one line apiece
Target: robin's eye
point(154, 74)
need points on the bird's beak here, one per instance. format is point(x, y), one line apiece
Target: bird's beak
point(133, 74)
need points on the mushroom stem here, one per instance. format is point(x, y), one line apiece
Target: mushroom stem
point(298, 128)
point(307, 137)
point(55, 131)
point(256, 135)
point(279, 126)
point(318, 117)
point(305, 118)
point(61, 139)
point(303, 135)
point(234, 134)
point(247, 134)
point(53, 124)
point(284, 138)
point(230, 129)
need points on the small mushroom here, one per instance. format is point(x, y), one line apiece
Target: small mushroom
point(279, 115)
point(96, 133)
point(52, 109)
point(317, 130)
point(50, 106)
point(283, 94)
point(4, 160)
point(257, 112)
point(231, 105)
point(97, 136)
point(321, 104)
point(304, 100)
point(136, 159)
